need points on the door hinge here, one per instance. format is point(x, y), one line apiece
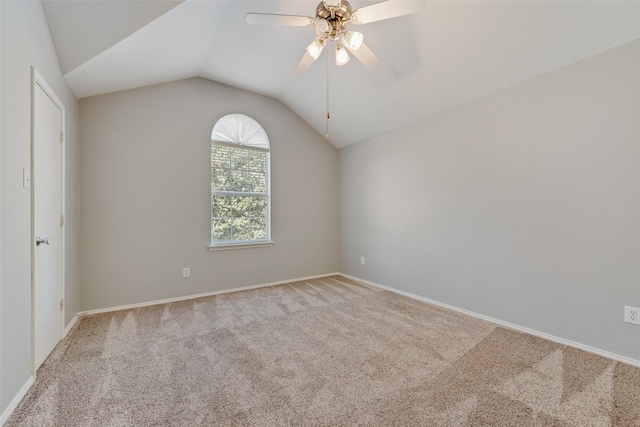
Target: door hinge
point(61, 220)
point(61, 304)
point(61, 136)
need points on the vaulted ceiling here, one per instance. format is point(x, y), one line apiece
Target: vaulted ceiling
point(448, 53)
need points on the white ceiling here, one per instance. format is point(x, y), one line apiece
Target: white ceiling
point(449, 53)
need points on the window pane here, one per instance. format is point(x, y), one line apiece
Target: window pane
point(239, 175)
point(239, 158)
point(241, 181)
point(220, 156)
point(220, 179)
point(241, 229)
point(259, 207)
point(241, 207)
point(258, 228)
point(220, 206)
point(220, 230)
point(220, 172)
point(258, 182)
point(258, 161)
point(238, 218)
point(238, 169)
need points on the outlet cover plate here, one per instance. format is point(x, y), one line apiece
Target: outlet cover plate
point(632, 315)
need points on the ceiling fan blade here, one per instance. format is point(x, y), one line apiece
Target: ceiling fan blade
point(270, 19)
point(305, 63)
point(385, 10)
point(365, 55)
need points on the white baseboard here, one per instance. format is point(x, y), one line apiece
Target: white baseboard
point(16, 401)
point(188, 297)
point(70, 325)
point(549, 337)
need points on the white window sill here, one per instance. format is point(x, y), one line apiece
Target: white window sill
point(243, 245)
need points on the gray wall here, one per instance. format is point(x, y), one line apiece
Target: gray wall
point(522, 205)
point(25, 42)
point(145, 168)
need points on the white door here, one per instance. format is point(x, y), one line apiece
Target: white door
point(47, 220)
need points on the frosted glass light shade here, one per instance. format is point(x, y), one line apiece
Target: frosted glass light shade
point(240, 129)
point(354, 39)
point(342, 57)
point(315, 48)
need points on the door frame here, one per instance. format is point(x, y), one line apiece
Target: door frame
point(37, 81)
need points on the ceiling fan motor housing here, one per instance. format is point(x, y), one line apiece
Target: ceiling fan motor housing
point(331, 22)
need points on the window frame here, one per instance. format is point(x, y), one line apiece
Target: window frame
point(240, 244)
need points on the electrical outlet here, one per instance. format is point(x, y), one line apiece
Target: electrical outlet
point(632, 315)
point(186, 272)
point(362, 260)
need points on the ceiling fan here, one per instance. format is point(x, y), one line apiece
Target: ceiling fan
point(331, 23)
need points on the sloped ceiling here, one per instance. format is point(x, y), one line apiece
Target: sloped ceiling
point(84, 29)
point(449, 53)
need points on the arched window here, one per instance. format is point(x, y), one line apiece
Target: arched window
point(240, 202)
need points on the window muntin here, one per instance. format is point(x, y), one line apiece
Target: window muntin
point(240, 203)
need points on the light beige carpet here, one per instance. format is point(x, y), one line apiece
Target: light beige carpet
point(324, 352)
